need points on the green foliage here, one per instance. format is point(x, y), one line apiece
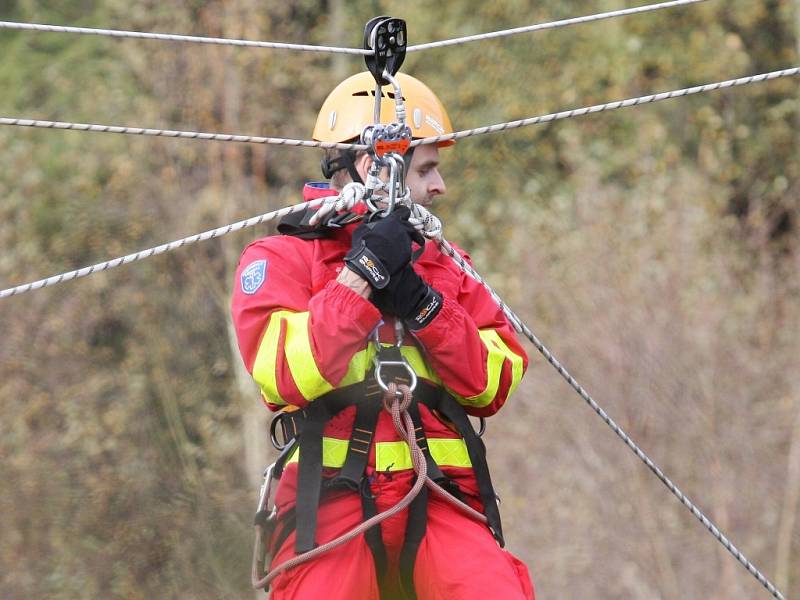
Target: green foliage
point(657, 246)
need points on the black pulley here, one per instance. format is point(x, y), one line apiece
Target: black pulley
point(386, 37)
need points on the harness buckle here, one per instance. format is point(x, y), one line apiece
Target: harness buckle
point(396, 360)
point(379, 364)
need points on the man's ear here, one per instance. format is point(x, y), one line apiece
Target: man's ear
point(363, 163)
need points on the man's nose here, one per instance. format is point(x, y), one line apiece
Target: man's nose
point(437, 186)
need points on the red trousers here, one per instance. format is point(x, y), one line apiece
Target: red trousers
point(458, 558)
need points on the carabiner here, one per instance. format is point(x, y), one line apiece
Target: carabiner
point(379, 364)
point(264, 524)
point(264, 493)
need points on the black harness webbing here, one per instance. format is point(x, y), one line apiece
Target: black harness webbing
point(308, 426)
point(309, 475)
point(454, 412)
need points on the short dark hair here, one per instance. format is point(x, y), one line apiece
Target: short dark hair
point(340, 177)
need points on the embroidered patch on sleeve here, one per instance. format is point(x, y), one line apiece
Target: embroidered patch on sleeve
point(254, 276)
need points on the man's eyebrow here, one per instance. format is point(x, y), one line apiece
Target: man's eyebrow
point(429, 164)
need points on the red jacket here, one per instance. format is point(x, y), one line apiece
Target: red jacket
point(302, 334)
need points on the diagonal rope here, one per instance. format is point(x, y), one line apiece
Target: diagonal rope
point(192, 135)
point(567, 114)
point(124, 260)
point(181, 38)
point(520, 327)
point(516, 322)
point(552, 25)
point(579, 112)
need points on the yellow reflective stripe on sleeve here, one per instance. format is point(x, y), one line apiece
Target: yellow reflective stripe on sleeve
point(264, 367)
point(498, 352)
point(395, 456)
point(297, 348)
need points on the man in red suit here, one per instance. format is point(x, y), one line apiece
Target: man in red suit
point(306, 309)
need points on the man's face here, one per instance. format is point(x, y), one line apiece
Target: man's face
point(423, 177)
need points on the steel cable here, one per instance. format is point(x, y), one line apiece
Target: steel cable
point(520, 327)
point(169, 133)
point(579, 112)
point(181, 38)
point(169, 37)
point(553, 25)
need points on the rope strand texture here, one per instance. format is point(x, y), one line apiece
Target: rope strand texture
point(553, 25)
point(169, 37)
point(124, 260)
point(193, 135)
point(579, 112)
point(520, 326)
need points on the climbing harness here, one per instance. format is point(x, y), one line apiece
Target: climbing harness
point(393, 386)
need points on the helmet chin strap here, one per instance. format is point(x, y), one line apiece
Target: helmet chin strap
point(346, 160)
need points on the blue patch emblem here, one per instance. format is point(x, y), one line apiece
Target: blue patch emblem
point(254, 276)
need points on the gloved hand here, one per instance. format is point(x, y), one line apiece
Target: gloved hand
point(408, 296)
point(382, 247)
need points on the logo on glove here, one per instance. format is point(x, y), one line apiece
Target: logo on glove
point(427, 310)
point(371, 269)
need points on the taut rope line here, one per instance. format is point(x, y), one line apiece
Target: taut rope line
point(579, 112)
point(169, 37)
point(552, 25)
point(567, 114)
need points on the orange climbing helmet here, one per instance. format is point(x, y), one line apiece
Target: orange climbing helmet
point(350, 107)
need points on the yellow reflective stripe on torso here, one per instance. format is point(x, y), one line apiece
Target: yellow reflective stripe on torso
point(395, 456)
point(300, 359)
point(497, 353)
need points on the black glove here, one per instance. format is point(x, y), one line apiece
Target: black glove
point(408, 296)
point(382, 247)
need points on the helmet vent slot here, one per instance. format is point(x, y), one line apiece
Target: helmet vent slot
point(372, 93)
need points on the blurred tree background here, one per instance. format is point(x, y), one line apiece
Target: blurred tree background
point(654, 249)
